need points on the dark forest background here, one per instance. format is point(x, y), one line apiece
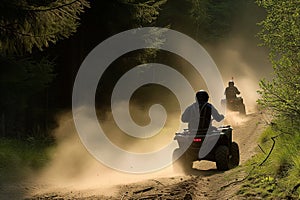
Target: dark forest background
point(43, 44)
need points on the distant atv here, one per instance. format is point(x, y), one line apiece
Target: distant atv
point(236, 104)
point(225, 152)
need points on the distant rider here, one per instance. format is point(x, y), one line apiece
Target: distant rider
point(231, 91)
point(198, 115)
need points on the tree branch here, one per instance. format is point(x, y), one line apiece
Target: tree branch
point(49, 9)
point(281, 99)
point(25, 34)
point(273, 145)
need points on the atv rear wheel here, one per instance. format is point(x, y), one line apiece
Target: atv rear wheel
point(222, 158)
point(242, 109)
point(235, 155)
point(184, 163)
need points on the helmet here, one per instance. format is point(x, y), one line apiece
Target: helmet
point(231, 83)
point(202, 96)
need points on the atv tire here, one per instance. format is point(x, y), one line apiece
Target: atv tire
point(235, 155)
point(242, 109)
point(183, 164)
point(222, 158)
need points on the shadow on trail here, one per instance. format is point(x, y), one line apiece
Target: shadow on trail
point(204, 172)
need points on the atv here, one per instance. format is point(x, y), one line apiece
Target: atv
point(236, 104)
point(225, 152)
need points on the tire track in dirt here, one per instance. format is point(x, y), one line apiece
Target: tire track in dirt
point(246, 132)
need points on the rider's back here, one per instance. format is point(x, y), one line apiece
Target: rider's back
point(231, 92)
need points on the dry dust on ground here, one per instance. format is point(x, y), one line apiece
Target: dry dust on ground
point(204, 183)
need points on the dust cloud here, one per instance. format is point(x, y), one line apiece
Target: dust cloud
point(245, 63)
point(240, 57)
point(72, 167)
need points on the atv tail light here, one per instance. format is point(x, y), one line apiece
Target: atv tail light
point(197, 140)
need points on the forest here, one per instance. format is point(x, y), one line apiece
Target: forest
point(43, 44)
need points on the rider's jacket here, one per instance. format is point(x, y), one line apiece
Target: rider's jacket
point(231, 92)
point(199, 115)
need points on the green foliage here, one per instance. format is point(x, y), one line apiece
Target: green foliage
point(25, 24)
point(20, 80)
point(199, 12)
point(204, 20)
point(144, 12)
point(279, 176)
point(24, 75)
point(280, 30)
point(18, 157)
point(265, 136)
point(280, 33)
point(214, 19)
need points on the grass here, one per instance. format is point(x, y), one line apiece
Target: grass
point(19, 157)
point(278, 177)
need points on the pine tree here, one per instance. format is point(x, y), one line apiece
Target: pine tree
point(144, 12)
point(204, 20)
point(25, 24)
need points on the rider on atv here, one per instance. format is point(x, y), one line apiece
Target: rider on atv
point(233, 102)
point(198, 115)
point(231, 91)
point(194, 144)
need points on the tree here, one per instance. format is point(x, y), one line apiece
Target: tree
point(213, 19)
point(204, 20)
point(20, 80)
point(25, 27)
point(25, 24)
point(280, 33)
point(144, 12)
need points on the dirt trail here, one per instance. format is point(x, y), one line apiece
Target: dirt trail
point(204, 183)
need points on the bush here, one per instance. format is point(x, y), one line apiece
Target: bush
point(278, 177)
point(17, 157)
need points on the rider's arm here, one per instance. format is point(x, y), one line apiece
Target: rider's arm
point(216, 115)
point(237, 91)
point(186, 116)
point(226, 90)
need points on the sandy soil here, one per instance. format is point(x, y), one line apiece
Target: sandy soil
point(204, 183)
